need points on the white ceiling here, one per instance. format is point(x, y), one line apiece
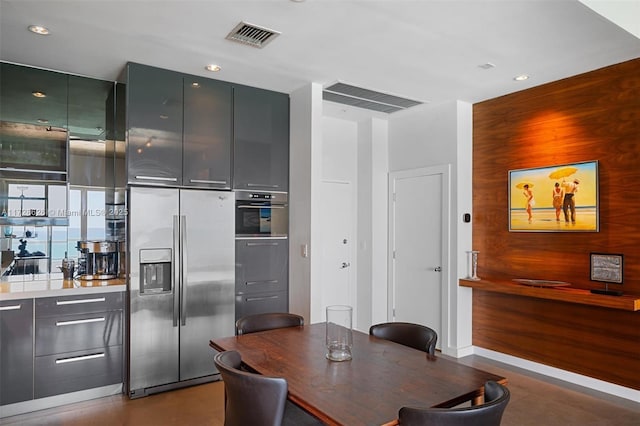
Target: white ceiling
point(425, 50)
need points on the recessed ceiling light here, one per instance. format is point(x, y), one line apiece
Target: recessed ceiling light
point(194, 84)
point(39, 94)
point(521, 77)
point(164, 116)
point(213, 67)
point(487, 66)
point(37, 29)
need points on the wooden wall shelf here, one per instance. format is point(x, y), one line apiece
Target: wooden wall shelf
point(580, 296)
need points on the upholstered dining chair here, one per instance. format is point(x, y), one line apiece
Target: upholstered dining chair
point(496, 398)
point(257, 400)
point(250, 399)
point(416, 336)
point(267, 321)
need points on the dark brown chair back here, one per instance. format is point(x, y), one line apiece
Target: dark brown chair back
point(267, 321)
point(496, 398)
point(413, 335)
point(250, 399)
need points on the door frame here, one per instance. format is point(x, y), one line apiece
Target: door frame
point(445, 277)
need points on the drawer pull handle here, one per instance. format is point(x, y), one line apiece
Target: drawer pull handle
point(82, 321)
point(255, 299)
point(79, 301)
point(10, 308)
point(79, 358)
point(261, 244)
point(262, 282)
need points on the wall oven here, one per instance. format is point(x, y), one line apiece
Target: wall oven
point(262, 214)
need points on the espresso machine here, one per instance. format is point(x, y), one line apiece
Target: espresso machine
point(98, 260)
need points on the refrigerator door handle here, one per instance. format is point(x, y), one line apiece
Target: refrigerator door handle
point(183, 269)
point(175, 265)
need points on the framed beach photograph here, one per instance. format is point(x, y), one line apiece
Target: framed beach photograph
point(560, 198)
point(606, 267)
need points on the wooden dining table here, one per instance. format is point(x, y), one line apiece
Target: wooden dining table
point(369, 389)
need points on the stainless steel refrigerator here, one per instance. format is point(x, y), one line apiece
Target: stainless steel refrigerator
point(181, 284)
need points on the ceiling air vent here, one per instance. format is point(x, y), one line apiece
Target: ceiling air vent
point(364, 98)
point(252, 35)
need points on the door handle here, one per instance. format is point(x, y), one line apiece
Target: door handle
point(437, 269)
point(345, 265)
point(183, 269)
point(175, 264)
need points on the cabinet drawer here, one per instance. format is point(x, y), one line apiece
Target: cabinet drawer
point(74, 371)
point(66, 333)
point(79, 304)
point(261, 266)
point(258, 303)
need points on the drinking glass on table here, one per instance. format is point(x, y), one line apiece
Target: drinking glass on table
point(339, 334)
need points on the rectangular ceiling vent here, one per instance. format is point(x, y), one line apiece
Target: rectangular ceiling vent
point(252, 35)
point(364, 98)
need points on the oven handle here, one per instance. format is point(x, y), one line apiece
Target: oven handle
point(260, 206)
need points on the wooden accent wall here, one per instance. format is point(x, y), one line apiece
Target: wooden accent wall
point(593, 116)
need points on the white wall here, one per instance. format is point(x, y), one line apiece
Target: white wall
point(339, 149)
point(423, 136)
point(304, 171)
point(373, 163)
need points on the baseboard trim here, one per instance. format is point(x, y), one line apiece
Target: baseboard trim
point(557, 373)
point(57, 400)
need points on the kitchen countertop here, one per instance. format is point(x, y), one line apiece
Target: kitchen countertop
point(12, 288)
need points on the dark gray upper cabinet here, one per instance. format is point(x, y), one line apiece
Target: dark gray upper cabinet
point(179, 129)
point(154, 123)
point(207, 133)
point(261, 139)
point(16, 351)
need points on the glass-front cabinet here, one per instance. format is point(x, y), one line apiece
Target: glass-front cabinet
point(33, 123)
point(59, 138)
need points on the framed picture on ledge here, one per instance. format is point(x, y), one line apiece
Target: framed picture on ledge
point(560, 198)
point(606, 267)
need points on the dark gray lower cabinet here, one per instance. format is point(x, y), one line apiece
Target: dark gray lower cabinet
point(16, 351)
point(78, 343)
point(261, 276)
point(259, 303)
point(74, 371)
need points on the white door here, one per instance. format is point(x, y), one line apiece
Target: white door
point(417, 237)
point(337, 246)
